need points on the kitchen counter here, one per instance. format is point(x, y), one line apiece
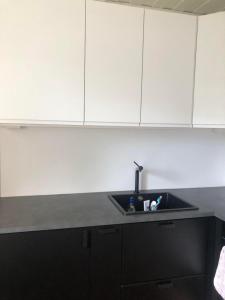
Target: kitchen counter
point(34, 213)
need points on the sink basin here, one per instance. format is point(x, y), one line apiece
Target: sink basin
point(168, 203)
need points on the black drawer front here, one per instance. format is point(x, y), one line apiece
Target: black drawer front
point(192, 288)
point(160, 250)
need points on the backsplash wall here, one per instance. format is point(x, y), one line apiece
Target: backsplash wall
point(38, 161)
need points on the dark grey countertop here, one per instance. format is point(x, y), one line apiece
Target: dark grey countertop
point(34, 213)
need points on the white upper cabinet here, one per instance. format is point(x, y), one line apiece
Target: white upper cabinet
point(209, 106)
point(168, 68)
point(114, 41)
point(42, 61)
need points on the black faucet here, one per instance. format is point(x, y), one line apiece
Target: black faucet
point(137, 172)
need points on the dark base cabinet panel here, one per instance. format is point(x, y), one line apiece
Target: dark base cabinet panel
point(61, 264)
point(215, 244)
point(179, 289)
point(106, 263)
point(128, 262)
point(168, 249)
point(46, 265)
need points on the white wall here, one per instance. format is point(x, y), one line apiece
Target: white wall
point(71, 160)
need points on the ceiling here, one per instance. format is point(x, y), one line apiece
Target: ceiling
point(198, 7)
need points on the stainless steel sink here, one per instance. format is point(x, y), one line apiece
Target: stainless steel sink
point(168, 203)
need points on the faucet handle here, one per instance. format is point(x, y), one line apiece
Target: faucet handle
point(140, 168)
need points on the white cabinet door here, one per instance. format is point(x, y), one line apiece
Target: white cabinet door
point(42, 61)
point(168, 68)
point(209, 105)
point(114, 40)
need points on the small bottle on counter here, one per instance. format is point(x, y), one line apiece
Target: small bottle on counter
point(131, 205)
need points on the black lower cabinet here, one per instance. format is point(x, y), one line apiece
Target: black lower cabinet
point(127, 262)
point(192, 288)
point(61, 264)
point(167, 249)
point(215, 245)
point(46, 265)
point(221, 244)
point(105, 266)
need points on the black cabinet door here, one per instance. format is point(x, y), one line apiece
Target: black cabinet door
point(161, 250)
point(45, 265)
point(106, 263)
point(179, 289)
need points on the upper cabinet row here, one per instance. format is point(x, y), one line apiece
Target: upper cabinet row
point(95, 63)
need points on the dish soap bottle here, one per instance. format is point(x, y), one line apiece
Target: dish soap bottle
point(131, 208)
